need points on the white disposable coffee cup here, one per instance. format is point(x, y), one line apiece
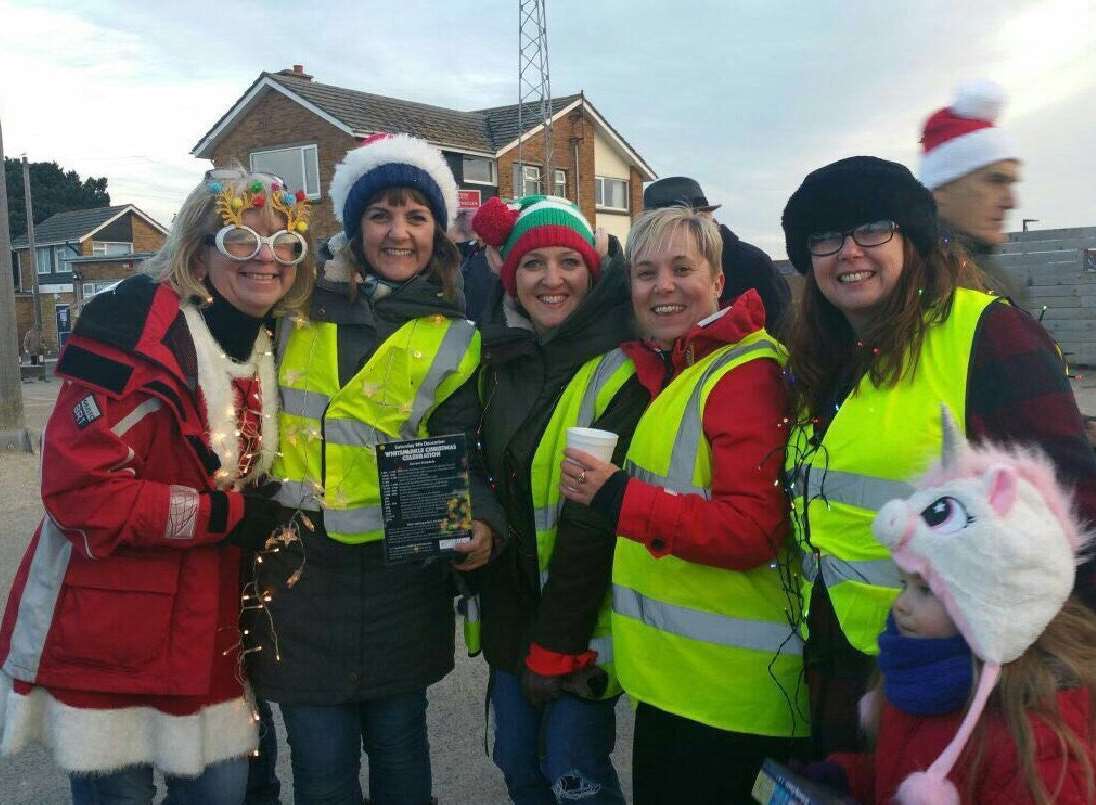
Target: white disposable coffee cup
point(594, 441)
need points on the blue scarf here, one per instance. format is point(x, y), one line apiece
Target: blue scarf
point(924, 677)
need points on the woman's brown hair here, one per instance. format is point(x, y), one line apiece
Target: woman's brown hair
point(825, 351)
point(444, 265)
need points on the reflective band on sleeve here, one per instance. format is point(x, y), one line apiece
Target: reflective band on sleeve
point(863, 491)
point(876, 572)
point(354, 433)
point(182, 512)
point(299, 402)
point(448, 357)
point(708, 627)
point(665, 482)
point(298, 495)
point(126, 423)
point(354, 521)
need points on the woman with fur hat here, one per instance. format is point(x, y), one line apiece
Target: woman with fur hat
point(988, 666)
point(892, 323)
point(560, 306)
point(345, 643)
point(120, 643)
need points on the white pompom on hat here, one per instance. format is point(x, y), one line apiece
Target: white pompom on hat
point(964, 137)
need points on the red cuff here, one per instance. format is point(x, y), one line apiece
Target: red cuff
point(551, 663)
point(637, 512)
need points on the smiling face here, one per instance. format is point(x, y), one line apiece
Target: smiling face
point(673, 287)
point(551, 282)
point(859, 279)
point(976, 204)
point(397, 239)
point(253, 286)
point(918, 613)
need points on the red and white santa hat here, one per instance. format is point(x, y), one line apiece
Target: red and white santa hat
point(962, 138)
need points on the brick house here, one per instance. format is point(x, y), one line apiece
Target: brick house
point(298, 129)
point(77, 254)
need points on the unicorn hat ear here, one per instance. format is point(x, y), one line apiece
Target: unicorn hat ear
point(953, 442)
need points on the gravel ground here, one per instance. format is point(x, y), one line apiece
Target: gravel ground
point(461, 771)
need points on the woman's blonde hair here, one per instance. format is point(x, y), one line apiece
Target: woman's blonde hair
point(654, 229)
point(177, 260)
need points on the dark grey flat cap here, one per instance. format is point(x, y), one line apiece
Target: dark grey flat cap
point(674, 191)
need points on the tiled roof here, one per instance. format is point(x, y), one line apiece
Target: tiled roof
point(502, 121)
point(69, 226)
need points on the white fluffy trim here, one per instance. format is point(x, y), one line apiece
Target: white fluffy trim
point(982, 99)
point(89, 740)
point(215, 374)
point(397, 149)
point(962, 155)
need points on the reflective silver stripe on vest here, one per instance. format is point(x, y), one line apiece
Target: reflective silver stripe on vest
point(299, 402)
point(876, 572)
point(546, 517)
point(604, 648)
point(610, 362)
point(767, 636)
point(298, 495)
point(864, 491)
point(354, 521)
point(690, 432)
point(354, 433)
point(453, 346)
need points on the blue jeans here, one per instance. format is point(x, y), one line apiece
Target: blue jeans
point(325, 744)
point(556, 755)
point(222, 783)
point(263, 787)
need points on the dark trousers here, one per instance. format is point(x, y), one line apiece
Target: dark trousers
point(263, 787)
point(675, 760)
point(837, 677)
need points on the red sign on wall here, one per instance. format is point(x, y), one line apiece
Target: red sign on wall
point(468, 199)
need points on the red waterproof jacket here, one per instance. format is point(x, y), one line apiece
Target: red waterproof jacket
point(908, 743)
point(126, 595)
point(744, 523)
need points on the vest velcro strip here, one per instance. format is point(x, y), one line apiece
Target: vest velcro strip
point(877, 572)
point(769, 637)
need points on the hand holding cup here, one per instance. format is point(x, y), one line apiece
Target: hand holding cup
point(588, 463)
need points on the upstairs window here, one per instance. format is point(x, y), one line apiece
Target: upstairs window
point(109, 249)
point(560, 187)
point(43, 259)
point(479, 170)
point(526, 180)
point(297, 165)
point(611, 194)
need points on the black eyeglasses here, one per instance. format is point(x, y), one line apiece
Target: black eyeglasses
point(823, 244)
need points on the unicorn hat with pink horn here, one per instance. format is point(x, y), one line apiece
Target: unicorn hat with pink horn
point(995, 536)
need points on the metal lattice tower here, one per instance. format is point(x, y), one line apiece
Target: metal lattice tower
point(534, 89)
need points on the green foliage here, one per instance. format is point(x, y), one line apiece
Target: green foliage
point(53, 189)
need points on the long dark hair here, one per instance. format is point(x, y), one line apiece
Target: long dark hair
point(445, 259)
point(824, 349)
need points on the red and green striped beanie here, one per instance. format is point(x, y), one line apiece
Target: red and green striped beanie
point(532, 222)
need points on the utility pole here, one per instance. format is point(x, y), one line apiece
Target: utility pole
point(13, 428)
point(30, 248)
point(534, 86)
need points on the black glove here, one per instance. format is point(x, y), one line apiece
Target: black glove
point(262, 516)
point(586, 683)
point(540, 690)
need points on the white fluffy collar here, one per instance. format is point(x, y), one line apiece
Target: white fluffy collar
point(216, 371)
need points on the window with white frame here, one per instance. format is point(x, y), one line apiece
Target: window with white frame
point(89, 289)
point(43, 259)
point(479, 170)
point(110, 249)
point(61, 256)
point(560, 186)
point(527, 180)
point(611, 194)
point(298, 165)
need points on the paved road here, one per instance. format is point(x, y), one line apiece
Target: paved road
point(462, 774)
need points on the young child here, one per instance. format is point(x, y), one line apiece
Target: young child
point(988, 665)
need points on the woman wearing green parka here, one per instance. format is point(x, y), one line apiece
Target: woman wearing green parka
point(349, 643)
point(544, 597)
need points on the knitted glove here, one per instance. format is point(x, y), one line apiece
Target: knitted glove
point(261, 517)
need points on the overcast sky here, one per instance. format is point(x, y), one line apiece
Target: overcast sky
point(745, 96)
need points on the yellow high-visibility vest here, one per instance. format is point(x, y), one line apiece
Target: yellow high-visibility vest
point(583, 401)
point(329, 433)
point(712, 645)
point(879, 439)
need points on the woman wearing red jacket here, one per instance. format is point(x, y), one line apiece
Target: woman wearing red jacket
point(120, 642)
point(701, 638)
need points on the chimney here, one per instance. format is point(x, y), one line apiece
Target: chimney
point(297, 71)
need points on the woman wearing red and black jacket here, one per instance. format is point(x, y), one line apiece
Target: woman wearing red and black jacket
point(701, 638)
point(120, 644)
